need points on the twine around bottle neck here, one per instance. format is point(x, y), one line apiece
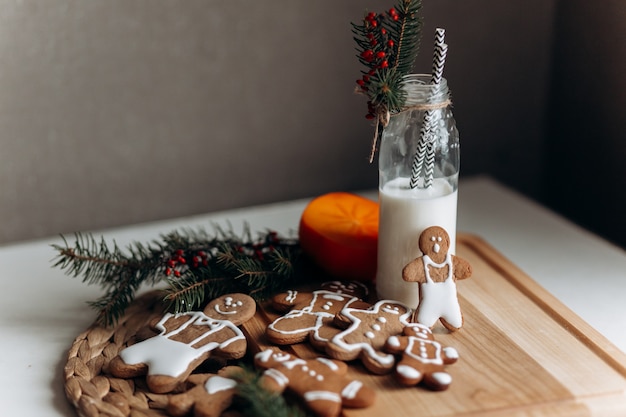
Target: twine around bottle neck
point(426, 106)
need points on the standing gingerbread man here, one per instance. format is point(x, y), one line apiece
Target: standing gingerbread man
point(437, 271)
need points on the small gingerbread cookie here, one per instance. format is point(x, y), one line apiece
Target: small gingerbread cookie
point(321, 383)
point(310, 314)
point(437, 271)
point(366, 331)
point(186, 340)
point(209, 397)
point(423, 358)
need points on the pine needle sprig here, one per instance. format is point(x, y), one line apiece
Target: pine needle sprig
point(254, 400)
point(387, 44)
point(196, 266)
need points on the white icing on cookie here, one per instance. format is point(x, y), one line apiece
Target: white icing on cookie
point(321, 395)
point(218, 383)
point(387, 306)
point(393, 341)
point(352, 389)
point(332, 365)
point(408, 372)
point(291, 296)
point(228, 304)
point(165, 356)
point(423, 357)
point(451, 352)
point(439, 299)
point(442, 378)
point(277, 376)
point(336, 297)
point(316, 307)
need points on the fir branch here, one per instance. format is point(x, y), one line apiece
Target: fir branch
point(387, 44)
point(258, 402)
point(408, 33)
point(186, 293)
point(195, 265)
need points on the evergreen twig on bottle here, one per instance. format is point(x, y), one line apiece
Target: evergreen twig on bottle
point(195, 265)
point(387, 44)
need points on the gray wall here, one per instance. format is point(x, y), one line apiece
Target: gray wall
point(586, 155)
point(122, 111)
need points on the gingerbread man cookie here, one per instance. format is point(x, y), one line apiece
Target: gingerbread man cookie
point(209, 397)
point(321, 383)
point(185, 341)
point(437, 271)
point(423, 358)
point(310, 314)
point(366, 331)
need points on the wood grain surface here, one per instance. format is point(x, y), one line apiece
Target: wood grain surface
point(522, 353)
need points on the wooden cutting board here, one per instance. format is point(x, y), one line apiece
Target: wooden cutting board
point(522, 353)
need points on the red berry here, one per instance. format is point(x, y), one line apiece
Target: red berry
point(369, 116)
point(171, 263)
point(390, 43)
point(383, 31)
point(395, 17)
point(177, 273)
point(179, 252)
point(393, 12)
point(182, 260)
point(168, 271)
point(360, 82)
point(384, 64)
point(380, 54)
point(367, 55)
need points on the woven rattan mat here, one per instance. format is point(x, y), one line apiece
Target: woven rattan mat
point(88, 385)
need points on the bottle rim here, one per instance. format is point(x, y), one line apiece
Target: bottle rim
point(419, 90)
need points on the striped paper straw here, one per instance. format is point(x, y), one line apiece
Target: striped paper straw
point(425, 153)
point(420, 154)
point(439, 58)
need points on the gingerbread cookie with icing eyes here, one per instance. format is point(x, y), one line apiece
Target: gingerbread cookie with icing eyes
point(185, 341)
point(310, 314)
point(321, 383)
point(210, 396)
point(423, 358)
point(437, 271)
point(365, 332)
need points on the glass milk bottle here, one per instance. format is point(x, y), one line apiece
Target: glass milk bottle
point(418, 180)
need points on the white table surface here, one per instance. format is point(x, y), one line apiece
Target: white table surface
point(43, 310)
